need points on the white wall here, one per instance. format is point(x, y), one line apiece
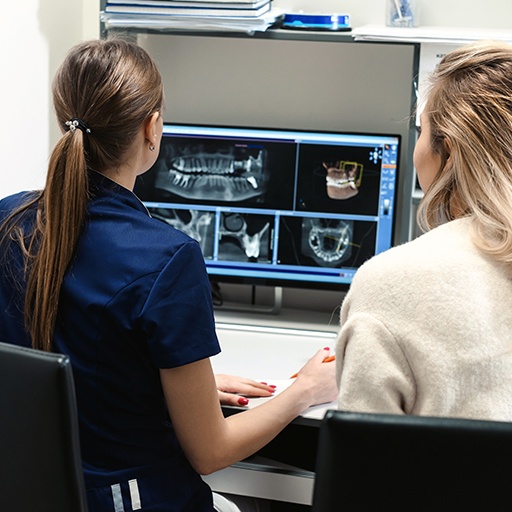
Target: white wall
point(35, 35)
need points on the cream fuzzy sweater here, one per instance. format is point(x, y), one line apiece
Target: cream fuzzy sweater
point(426, 329)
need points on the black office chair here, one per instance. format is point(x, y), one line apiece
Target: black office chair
point(40, 463)
point(369, 462)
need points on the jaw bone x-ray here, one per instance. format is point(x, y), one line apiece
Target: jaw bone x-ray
point(214, 171)
point(241, 237)
point(327, 241)
point(244, 237)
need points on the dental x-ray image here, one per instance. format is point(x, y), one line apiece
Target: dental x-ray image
point(245, 237)
point(327, 241)
point(213, 170)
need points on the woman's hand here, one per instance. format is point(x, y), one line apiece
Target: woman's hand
point(318, 379)
point(230, 388)
point(212, 442)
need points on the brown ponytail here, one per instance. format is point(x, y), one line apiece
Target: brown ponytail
point(59, 226)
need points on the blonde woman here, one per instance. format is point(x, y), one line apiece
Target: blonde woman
point(427, 326)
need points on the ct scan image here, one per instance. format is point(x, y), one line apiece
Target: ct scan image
point(215, 172)
point(245, 237)
point(325, 242)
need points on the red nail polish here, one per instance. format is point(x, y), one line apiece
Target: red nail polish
point(264, 383)
point(272, 386)
point(327, 348)
point(243, 401)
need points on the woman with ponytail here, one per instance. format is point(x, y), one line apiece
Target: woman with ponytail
point(87, 272)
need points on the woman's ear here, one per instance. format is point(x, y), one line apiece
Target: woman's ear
point(150, 128)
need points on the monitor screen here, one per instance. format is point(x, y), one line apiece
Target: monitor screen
point(277, 207)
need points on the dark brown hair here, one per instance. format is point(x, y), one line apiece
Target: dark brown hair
point(113, 86)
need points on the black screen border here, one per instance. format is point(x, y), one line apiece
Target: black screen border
point(276, 281)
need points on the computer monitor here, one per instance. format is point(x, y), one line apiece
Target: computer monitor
point(275, 206)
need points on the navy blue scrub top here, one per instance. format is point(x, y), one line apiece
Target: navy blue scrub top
point(136, 298)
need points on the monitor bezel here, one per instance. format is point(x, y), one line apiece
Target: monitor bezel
point(277, 281)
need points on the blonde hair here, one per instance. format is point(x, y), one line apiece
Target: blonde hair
point(113, 86)
point(469, 109)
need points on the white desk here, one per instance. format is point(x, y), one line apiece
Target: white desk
point(270, 349)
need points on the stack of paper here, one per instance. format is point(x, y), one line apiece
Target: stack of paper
point(423, 34)
point(246, 15)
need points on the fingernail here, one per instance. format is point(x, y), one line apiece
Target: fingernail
point(243, 401)
point(264, 383)
point(272, 386)
point(327, 348)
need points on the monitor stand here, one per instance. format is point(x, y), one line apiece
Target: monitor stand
point(273, 308)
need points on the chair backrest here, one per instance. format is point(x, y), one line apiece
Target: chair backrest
point(40, 463)
point(412, 463)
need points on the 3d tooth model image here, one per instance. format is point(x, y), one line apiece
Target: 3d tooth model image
point(228, 173)
point(343, 179)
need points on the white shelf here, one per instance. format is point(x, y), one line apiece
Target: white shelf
point(445, 35)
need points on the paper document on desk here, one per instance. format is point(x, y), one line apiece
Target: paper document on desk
point(316, 412)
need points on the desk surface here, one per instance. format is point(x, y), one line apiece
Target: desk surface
point(271, 353)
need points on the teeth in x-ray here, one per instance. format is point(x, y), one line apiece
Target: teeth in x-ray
point(235, 226)
point(233, 188)
point(218, 164)
point(329, 244)
point(252, 181)
point(181, 179)
point(216, 176)
point(229, 175)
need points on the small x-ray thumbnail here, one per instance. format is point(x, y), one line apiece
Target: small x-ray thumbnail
point(245, 237)
point(325, 242)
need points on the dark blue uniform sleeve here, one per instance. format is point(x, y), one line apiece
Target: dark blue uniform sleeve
point(178, 314)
